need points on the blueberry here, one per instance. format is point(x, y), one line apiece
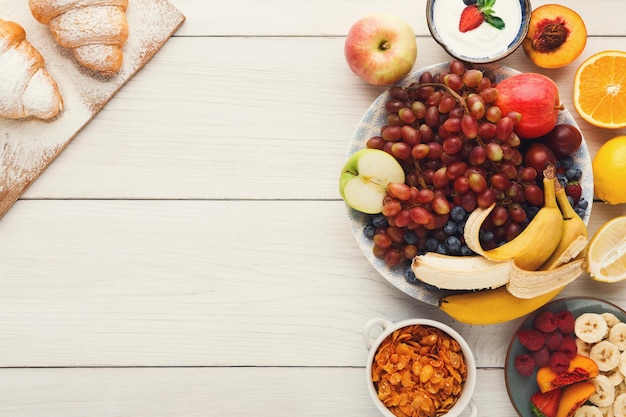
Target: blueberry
point(465, 251)
point(486, 236)
point(531, 212)
point(469, 2)
point(580, 212)
point(380, 220)
point(461, 227)
point(453, 245)
point(369, 231)
point(573, 174)
point(450, 227)
point(432, 244)
point(409, 275)
point(458, 213)
point(583, 204)
point(566, 162)
point(410, 237)
point(441, 249)
point(562, 179)
point(571, 200)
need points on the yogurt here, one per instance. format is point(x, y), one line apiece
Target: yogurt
point(483, 44)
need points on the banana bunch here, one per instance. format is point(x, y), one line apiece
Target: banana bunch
point(604, 339)
point(534, 246)
point(518, 277)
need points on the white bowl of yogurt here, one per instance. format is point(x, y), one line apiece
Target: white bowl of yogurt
point(465, 36)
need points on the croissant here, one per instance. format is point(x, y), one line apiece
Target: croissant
point(95, 30)
point(26, 88)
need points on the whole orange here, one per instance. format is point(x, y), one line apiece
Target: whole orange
point(609, 171)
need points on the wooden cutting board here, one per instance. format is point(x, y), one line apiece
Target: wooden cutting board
point(28, 146)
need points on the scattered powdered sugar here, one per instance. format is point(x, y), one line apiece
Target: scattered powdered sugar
point(27, 146)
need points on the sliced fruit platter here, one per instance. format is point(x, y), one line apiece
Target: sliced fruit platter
point(567, 359)
point(457, 170)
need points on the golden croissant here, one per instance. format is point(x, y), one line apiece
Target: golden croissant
point(95, 30)
point(26, 88)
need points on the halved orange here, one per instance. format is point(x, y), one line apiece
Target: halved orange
point(606, 252)
point(600, 89)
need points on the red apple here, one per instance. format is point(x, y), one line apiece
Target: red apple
point(381, 49)
point(535, 97)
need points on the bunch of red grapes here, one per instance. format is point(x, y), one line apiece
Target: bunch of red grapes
point(459, 152)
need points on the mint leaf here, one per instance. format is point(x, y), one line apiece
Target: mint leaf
point(494, 21)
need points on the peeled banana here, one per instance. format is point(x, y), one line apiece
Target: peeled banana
point(461, 272)
point(535, 244)
point(575, 235)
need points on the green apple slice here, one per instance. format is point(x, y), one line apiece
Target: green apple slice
point(364, 179)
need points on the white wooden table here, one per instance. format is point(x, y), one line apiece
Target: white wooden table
point(189, 255)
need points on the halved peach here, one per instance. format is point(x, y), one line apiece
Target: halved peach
point(556, 36)
point(580, 368)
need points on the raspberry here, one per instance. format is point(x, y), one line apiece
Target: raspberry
point(545, 322)
point(553, 340)
point(574, 190)
point(541, 357)
point(525, 364)
point(531, 339)
point(568, 346)
point(565, 321)
point(559, 362)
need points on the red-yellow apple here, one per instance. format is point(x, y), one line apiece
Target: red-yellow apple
point(535, 97)
point(381, 49)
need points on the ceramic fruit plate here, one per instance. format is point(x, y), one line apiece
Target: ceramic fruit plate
point(521, 388)
point(371, 124)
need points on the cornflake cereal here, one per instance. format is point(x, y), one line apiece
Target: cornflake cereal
point(419, 371)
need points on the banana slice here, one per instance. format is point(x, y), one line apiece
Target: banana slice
point(583, 348)
point(605, 391)
point(610, 318)
point(588, 411)
point(622, 363)
point(615, 375)
point(619, 406)
point(591, 327)
point(606, 411)
point(617, 335)
point(606, 355)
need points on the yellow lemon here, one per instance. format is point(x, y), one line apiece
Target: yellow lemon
point(606, 252)
point(609, 171)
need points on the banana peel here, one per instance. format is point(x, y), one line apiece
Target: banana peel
point(530, 284)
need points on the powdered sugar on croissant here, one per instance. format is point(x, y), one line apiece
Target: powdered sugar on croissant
point(95, 30)
point(26, 88)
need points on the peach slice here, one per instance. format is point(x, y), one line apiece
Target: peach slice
point(580, 369)
point(556, 36)
point(573, 397)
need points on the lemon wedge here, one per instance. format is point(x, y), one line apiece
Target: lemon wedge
point(606, 252)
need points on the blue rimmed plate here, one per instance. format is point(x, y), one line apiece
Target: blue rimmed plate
point(521, 388)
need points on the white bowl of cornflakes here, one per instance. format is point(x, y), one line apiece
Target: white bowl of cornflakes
point(419, 367)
